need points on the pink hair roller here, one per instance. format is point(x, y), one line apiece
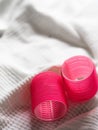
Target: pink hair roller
point(48, 97)
point(80, 78)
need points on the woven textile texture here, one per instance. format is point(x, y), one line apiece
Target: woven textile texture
point(34, 36)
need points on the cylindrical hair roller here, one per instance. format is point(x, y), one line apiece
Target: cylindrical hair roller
point(80, 78)
point(48, 96)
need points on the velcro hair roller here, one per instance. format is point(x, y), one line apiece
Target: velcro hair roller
point(80, 78)
point(48, 96)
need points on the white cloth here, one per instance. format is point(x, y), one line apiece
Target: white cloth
point(35, 35)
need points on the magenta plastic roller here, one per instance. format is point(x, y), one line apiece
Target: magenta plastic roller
point(48, 96)
point(80, 78)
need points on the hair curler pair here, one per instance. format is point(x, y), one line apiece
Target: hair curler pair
point(78, 78)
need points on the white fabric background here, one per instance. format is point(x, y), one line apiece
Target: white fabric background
point(35, 35)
